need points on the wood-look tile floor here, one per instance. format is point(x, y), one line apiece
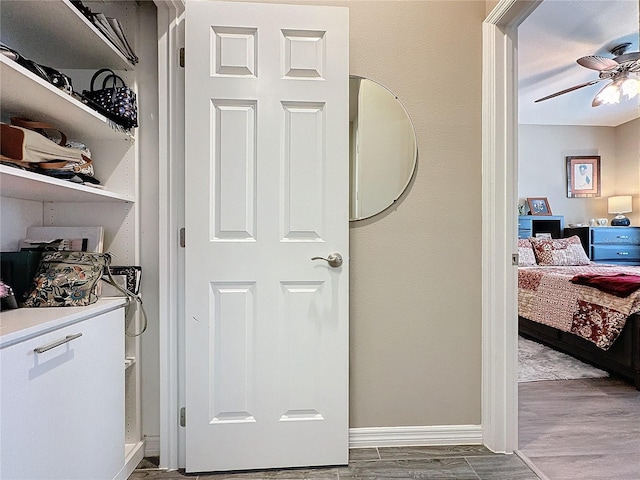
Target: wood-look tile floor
point(455, 462)
point(586, 429)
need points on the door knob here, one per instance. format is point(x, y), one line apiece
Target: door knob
point(333, 259)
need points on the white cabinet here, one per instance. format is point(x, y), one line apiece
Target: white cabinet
point(54, 33)
point(62, 393)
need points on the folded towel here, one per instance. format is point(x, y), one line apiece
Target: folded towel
point(619, 284)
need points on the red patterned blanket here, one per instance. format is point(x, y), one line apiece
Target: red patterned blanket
point(547, 295)
point(618, 284)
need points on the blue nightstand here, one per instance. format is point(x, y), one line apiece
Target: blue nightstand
point(530, 225)
point(620, 245)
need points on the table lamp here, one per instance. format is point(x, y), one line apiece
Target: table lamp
point(619, 205)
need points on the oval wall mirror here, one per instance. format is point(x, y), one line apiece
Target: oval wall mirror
point(382, 148)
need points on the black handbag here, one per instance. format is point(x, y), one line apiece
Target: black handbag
point(118, 103)
point(51, 75)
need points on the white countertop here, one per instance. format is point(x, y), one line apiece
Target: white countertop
point(25, 323)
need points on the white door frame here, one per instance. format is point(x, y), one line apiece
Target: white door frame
point(499, 201)
point(171, 212)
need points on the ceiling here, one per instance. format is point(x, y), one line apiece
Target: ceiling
point(550, 40)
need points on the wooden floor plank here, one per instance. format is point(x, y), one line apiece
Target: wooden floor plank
point(581, 429)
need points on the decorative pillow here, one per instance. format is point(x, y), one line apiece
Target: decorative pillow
point(559, 251)
point(525, 253)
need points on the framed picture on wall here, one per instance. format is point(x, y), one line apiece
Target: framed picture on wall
point(583, 176)
point(539, 206)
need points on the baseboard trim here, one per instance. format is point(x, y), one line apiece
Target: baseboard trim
point(152, 445)
point(415, 436)
point(386, 437)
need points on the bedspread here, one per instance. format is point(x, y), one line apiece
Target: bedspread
point(546, 295)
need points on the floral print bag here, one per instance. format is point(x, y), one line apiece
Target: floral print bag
point(67, 279)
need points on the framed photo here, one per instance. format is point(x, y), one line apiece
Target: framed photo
point(583, 176)
point(539, 206)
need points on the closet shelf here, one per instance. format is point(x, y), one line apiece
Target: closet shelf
point(24, 94)
point(82, 47)
point(16, 183)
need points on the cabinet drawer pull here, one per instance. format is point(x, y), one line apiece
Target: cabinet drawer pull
point(57, 343)
point(623, 253)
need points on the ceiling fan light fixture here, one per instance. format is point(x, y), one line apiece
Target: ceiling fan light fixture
point(609, 95)
point(630, 87)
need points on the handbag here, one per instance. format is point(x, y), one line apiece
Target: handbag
point(26, 144)
point(51, 75)
point(118, 103)
point(70, 279)
point(66, 279)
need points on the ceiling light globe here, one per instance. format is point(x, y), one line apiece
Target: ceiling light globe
point(630, 87)
point(609, 95)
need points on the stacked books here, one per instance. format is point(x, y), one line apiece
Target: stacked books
point(110, 28)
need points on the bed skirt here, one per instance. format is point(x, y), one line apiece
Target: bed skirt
point(622, 359)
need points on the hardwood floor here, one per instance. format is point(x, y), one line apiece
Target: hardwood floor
point(473, 462)
point(586, 429)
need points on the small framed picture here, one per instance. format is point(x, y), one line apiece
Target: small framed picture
point(539, 206)
point(583, 176)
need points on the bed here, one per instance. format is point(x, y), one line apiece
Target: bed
point(590, 311)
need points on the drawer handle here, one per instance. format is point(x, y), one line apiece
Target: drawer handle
point(57, 343)
point(623, 237)
point(623, 253)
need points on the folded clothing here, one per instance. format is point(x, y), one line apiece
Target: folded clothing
point(619, 284)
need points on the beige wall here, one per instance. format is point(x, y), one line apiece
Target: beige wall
point(415, 269)
point(628, 165)
point(542, 166)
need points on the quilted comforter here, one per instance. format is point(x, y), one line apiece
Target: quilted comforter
point(547, 295)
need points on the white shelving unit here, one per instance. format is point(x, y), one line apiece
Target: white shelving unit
point(56, 34)
point(26, 185)
point(26, 94)
point(59, 34)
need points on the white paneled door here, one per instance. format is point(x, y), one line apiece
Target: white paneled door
point(267, 172)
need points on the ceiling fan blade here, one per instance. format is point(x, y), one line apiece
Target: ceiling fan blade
point(571, 89)
point(596, 62)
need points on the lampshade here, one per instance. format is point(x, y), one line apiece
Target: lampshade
point(620, 204)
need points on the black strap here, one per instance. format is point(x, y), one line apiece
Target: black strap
point(111, 75)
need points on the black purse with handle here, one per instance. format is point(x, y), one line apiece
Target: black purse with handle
point(116, 102)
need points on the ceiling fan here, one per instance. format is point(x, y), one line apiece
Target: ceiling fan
point(617, 69)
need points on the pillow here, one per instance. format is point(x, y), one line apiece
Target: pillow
point(559, 251)
point(525, 253)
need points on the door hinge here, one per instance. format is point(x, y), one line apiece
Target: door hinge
point(183, 417)
point(182, 237)
point(181, 60)
point(515, 259)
